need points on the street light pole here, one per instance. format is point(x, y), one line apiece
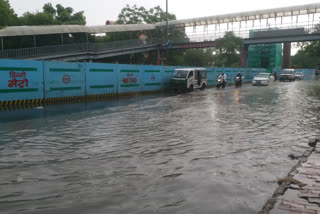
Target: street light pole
point(167, 21)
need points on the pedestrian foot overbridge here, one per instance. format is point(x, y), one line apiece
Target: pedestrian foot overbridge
point(278, 25)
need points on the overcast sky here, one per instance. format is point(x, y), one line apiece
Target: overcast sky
point(98, 11)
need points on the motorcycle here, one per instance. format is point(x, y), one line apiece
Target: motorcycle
point(221, 83)
point(238, 82)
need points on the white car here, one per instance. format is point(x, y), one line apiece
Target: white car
point(298, 76)
point(262, 79)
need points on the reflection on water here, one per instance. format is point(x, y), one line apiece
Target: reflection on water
point(201, 152)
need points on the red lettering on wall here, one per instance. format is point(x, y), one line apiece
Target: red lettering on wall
point(17, 80)
point(129, 80)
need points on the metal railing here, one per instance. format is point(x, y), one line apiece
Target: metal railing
point(77, 48)
point(96, 48)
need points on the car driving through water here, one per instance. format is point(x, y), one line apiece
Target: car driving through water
point(262, 79)
point(287, 75)
point(298, 76)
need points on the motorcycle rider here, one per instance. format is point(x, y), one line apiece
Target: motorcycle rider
point(240, 77)
point(223, 77)
point(275, 76)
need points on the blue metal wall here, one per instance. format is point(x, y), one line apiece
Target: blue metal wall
point(101, 78)
point(42, 79)
point(152, 78)
point(212, 76)
point(166, 75)
point(308, 74)
point(62, 79)
point(129, 78)
point(21, 80)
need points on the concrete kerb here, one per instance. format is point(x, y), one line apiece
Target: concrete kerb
point(284, 186)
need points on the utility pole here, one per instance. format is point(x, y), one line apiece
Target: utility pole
point(167, 32)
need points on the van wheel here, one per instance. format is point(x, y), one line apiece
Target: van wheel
point(203, 87)
point(191, 88)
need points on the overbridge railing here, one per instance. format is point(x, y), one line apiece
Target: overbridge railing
point(76, 48)
point(96, 48)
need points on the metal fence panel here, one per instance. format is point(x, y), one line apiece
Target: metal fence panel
point(166, 75)
point(21, 80)
point(64, 79)
point(101, 78)
point(151, 77)
point(309, 74)
point(212, 76)
point(129, 78)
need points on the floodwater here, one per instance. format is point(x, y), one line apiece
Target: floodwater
point(201, 152)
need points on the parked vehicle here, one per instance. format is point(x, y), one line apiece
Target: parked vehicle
point(298, 76)
point(221, 83)
point(262, 79)
point(238, 82)
point(287, 75)
point(189, 78)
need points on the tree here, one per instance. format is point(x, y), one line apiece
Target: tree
point(309, 54)
point(49, 16)
point(303, 59)
point(198, 57)
point(7, 15)
point(228, 49)
point(39, 18)
point(140, 15)
point(48, 8)
point(52, 16)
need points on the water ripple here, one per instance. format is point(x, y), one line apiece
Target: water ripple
point(209, 151)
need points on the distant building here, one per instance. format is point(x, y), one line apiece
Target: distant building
point(267, 56)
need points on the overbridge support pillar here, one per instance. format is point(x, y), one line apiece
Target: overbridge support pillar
point(286, 53)
point(162, 56)
point(244, 53)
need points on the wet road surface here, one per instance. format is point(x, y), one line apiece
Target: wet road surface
point(201, 152)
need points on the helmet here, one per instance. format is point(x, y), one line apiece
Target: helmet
point(222, 73)
point(238, 72)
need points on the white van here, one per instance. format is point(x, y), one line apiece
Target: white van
point(189, 78)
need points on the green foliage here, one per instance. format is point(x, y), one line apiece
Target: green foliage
point(199, 57)
point(7, 15)
point(48, 8)
point(49, 16)
point(42, 18)
point(176, 57)
point(309, 54)
point(139, 15)
point(304, 59)
point(52, 16)
point(228, 49)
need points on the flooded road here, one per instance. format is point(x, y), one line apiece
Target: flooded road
point(201, 152)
